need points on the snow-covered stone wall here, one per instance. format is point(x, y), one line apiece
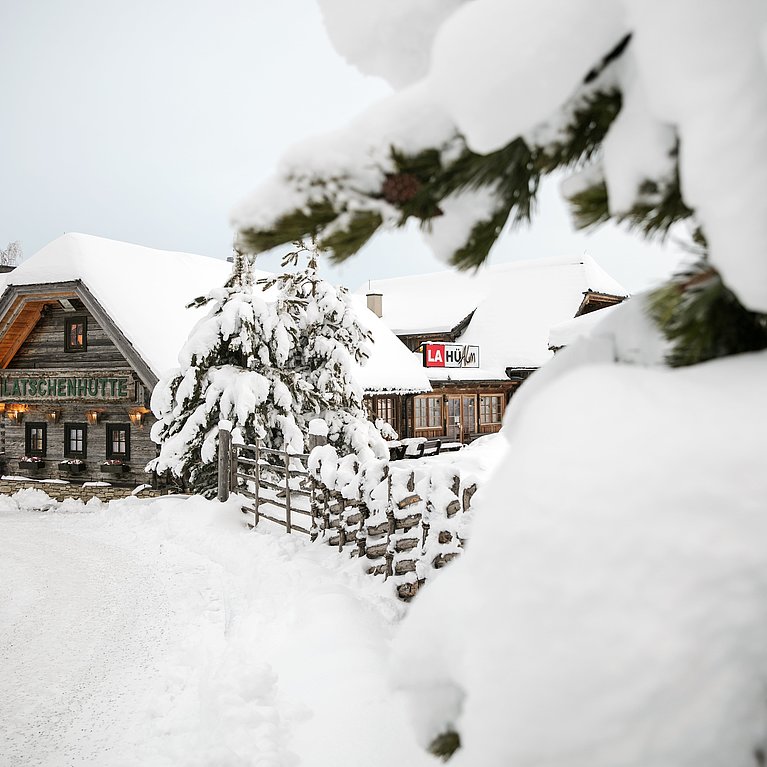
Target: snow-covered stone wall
point(403, 524)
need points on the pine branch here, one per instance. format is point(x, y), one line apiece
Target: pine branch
point(482, 237)
point(589, 207)
point(584, 133)
point(344, 243)
point(508, 168)
point(412, 188)
point(657, 209)
point(293, 226)
point(703, 319)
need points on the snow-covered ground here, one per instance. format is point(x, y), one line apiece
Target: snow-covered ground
point(477, 459)
point(163, 632)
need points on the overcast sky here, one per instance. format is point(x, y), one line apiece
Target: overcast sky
point(147, 120)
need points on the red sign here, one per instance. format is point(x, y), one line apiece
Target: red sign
point(434, 355)
point(450, 356)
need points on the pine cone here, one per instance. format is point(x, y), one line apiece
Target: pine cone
point(400, 188)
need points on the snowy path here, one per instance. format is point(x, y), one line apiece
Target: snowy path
point(71, 668)
point(163, 634)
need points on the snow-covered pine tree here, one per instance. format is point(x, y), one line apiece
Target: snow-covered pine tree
point(328, 341)
point(232, 368)
point(466, 160)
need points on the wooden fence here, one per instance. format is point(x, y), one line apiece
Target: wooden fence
point(403, 525)
point(275, 480)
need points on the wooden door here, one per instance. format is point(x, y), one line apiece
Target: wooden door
point(454, 424)
point(468, 416)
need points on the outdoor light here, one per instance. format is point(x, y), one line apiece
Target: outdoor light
point(92, 416)
point(15, 414)
point(54, 416)
point(136, 417)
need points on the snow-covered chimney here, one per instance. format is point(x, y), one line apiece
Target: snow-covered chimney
point(375, 303)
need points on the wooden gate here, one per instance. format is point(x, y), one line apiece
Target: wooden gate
point(279, 485)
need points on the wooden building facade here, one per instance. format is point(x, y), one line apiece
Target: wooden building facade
point(453, 410)
point(74, 393)
point(501, 316)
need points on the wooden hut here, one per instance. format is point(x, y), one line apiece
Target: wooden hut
point(480, 335)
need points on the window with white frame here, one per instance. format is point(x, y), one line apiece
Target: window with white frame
point(428, 412)
point(385, 409)
point(490, 408)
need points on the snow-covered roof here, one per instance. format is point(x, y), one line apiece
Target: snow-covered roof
point(566, 332)
point(145, 292)
point(427, 303)
point(390, 367)
point(515, 305)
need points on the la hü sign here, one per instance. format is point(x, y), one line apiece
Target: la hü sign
point(450, 356)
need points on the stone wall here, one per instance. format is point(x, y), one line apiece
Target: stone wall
point(59, 491)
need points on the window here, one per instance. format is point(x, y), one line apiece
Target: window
point(428, 412)
point(490, 408)
point(75, 440)
point(36, 439)
point(469, 415)
point(76, 334)
point(385, 409)
point(118, 440)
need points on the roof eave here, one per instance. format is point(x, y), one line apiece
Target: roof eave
point(77, 287)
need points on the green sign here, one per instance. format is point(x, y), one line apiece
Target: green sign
point(41, 387)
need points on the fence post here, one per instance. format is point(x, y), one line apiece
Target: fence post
point(288, 526)
point(390, 528)
point(233, 468)
point(224, 459)
point(318, 433)
point(256, 481)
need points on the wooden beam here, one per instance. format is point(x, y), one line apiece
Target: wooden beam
point(19, 332)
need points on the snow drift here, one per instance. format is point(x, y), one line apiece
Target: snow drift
point(610, 609)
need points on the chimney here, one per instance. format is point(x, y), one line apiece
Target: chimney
point(375, 303)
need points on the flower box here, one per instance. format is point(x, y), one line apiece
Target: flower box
point(31, 465)
point(72, 467)
point(114, 468)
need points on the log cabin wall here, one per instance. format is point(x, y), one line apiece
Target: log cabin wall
point(95, 380)
point(142, 449)
point(44, 347)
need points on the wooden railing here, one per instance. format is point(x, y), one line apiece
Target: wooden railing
point(276, 479)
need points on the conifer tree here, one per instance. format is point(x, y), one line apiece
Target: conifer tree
point(230, 368)
point(269, 356)
point(328, 340)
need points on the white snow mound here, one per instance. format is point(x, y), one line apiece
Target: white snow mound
point(611, 607)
